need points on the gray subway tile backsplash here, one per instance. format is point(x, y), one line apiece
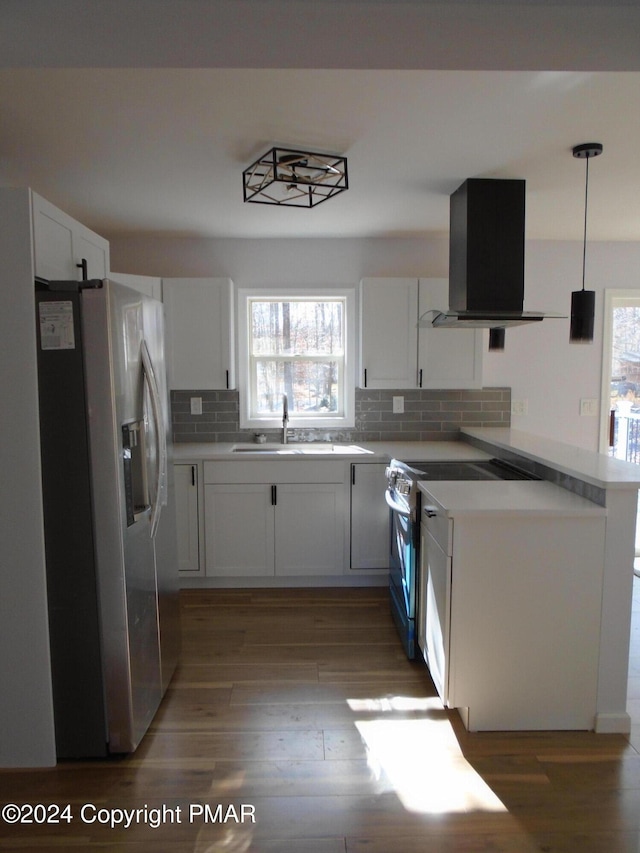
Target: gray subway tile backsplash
point(429, 416)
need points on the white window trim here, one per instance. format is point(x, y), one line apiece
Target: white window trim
point(324, 292)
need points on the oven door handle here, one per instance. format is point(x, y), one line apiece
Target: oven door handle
point(395, 506)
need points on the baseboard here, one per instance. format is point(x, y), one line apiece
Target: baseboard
point(613, 724)
point(360, 580)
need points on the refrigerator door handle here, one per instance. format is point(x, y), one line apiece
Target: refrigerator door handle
point(156, 408)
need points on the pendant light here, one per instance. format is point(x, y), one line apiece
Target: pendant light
point(583, 302)
point(496, 339)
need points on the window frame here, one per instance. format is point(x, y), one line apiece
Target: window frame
point(246, 381)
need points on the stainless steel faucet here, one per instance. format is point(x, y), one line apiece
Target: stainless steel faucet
point(285, 418)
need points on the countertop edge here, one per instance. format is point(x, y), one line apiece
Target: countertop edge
point(587, 465)
point(192, 453)
point(594, 468)
point(508, 498)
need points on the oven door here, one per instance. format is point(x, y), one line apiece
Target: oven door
point(402, 572)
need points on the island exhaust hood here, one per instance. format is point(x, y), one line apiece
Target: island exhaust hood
point(486, 258)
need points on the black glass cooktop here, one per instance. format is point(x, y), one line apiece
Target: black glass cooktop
point(490, 469)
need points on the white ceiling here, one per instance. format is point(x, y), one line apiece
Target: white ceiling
point(161, 150)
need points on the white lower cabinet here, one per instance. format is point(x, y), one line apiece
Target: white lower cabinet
point(186, 479)
point(239, 530)
point(370, 525)
point(274, 519)
point(309, 525)
point(434, 627)
point(509, 617)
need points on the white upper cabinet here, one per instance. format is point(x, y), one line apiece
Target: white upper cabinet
point(200, 333)
point(447, 358)
point(394, 353)
point(388, 333)
point(149, 285)
point(63, 247)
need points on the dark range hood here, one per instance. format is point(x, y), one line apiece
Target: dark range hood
point(486, 258)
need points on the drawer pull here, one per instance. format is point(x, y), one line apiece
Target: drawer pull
point(430, 511)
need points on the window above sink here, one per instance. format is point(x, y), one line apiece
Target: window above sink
point(299, 343)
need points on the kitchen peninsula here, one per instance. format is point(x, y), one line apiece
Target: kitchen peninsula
point(613, 485)
point(605, 488)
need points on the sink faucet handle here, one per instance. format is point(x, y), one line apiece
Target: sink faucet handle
point(285, 418)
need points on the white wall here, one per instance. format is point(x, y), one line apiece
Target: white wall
point(538, 362)
point(26, 704)
point(251, 262)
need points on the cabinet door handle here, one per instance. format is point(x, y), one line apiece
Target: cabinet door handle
point(420, 378)
point(193, 475)
point(227, 372)
point(430, 511)
point(274, 495)
point(353, 474)
point(365, 377)
point(83, 266)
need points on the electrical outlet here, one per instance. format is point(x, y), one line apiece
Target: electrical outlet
point(398, 405)
point(196, 405)
point(588, 406)
point(519, 407)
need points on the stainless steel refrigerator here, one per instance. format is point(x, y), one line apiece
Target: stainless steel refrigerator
point(110, 531)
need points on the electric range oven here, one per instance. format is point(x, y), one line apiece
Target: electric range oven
point(403, 498)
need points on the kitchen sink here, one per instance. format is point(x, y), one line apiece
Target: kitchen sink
point(307, 448)
point(258, 448)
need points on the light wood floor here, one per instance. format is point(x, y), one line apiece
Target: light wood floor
point(301, 706)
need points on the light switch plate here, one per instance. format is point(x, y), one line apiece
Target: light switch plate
point(589, 406)
point(519, 407)
point(398, 405)
point(196, 405)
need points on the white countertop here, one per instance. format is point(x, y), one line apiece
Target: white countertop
point(505, 497)
point(378, 451)
point(595, 468)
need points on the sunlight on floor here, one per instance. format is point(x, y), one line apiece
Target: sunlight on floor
point(230, 840)
point(421, 757)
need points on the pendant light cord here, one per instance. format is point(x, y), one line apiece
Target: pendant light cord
point(586, 202)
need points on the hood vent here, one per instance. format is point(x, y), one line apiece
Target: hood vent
point(486, 257)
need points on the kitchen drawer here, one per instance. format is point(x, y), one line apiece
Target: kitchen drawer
point(439, 525)
point(275, 471)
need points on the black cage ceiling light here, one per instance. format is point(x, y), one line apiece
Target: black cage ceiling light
point(583, 302)
point(294, 178)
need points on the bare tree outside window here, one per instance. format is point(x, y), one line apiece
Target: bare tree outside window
point(297, 348)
